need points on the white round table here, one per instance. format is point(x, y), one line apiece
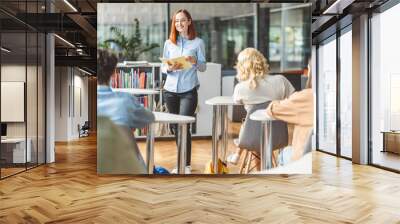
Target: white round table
point(265, 151)
point(182, 121)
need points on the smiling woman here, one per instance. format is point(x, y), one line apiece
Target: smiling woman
point(182, 84)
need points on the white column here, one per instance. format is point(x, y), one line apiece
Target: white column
point(360, 90)
point(50, 101)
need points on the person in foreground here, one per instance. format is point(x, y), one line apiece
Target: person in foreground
point(297, 110)
point(122, 109)
point(180, 89)
point(255, 82)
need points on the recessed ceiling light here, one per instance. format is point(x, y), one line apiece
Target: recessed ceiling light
point(86, 72)
point(5, 50)
point(70, 5)
point(337, 7)
point(64, 40)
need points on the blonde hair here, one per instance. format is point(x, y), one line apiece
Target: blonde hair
point(251, 65)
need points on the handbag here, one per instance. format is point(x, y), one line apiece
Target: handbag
point(222, 168)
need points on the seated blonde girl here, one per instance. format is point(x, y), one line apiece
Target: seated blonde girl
point(255, 82)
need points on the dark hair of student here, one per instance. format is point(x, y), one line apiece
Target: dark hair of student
point(106, 64)
point(191, 30)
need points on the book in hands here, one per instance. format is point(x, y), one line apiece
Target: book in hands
point(180, 60)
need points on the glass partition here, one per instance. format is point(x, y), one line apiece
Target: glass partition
point(385, 89)
point(327, 96)
point(22, 89)
point(282, 34)
point(346, 94)
point(13, 114)
point(287, 41)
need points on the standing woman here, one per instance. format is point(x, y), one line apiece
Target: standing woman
point(181, 85)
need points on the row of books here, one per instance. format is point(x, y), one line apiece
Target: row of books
point(144, 101)
point(140, 132)
point(132, 78)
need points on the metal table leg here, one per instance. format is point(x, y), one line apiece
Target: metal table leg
point(215, 137)
point(268, 153)
point(266, 146)
point(150, 148)
point(224, 130)
point(263, 148)
point(182, 148)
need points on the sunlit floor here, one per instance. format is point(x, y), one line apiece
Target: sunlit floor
point(7, 171)
point(165, 152)
point(386, 159)
point(70, 191)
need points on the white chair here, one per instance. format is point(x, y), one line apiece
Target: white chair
point(250, 138)
point(117, 151)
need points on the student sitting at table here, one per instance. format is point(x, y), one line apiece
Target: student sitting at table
point(255, 82)
point(122, 109)
point(297, 110)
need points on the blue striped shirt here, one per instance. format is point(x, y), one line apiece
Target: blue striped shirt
point(184, 80)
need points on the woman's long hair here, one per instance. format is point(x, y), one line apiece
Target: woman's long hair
point(191, 30)
point(251, 65)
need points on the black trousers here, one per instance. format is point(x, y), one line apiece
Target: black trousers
point(183, 104)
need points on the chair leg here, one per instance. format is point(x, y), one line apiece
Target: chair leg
point(257, 161)
point(248, 163)
point(274, 162)
point(243, 164)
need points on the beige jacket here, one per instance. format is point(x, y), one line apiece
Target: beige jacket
point(297, 110)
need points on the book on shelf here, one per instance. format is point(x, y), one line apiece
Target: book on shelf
point(130, 75)
point(132, 78)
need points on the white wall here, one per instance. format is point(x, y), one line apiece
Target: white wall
point(71, 94)
point(33, 126)
point(13, 73)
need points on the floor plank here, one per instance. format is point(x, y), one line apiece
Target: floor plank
point(69, 191)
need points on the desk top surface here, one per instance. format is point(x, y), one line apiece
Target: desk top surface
point(136, 91)
point(13, 140)
point(162, 117)
point(391, 132)
point(228, 100)
point(260, 115)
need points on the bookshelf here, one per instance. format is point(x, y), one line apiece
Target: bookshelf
point(142, 79)
point(126, 80)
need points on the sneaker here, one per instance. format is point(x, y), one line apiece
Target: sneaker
point(188, 170)
point(233, 158)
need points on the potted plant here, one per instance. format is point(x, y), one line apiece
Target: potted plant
point(130, 47)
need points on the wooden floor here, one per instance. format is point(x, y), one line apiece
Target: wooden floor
point(69, 191)
point(386, 159)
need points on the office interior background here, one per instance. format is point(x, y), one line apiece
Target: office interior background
point(25, 49)
point(48, 70)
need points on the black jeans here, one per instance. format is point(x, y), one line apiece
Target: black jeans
point(183, 104)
